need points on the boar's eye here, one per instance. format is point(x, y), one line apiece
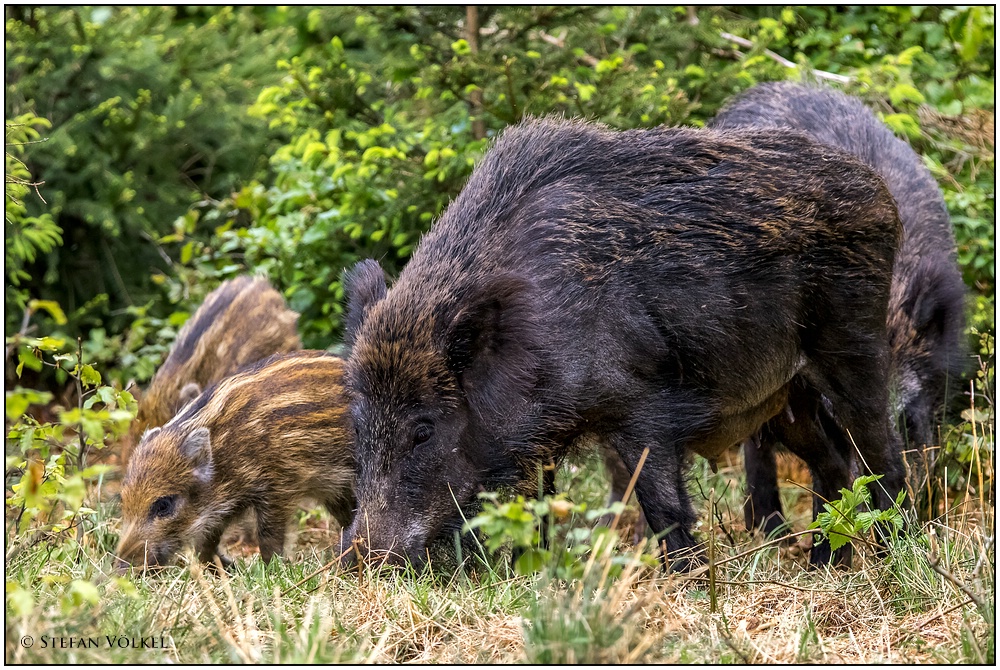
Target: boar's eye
point(422, 433)
point(162, 507)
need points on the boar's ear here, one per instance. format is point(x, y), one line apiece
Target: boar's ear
point(197, 448)
point(364, 285)
point(189, 393)
point(491, 343)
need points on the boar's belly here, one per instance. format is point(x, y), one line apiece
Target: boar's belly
point(734, 427)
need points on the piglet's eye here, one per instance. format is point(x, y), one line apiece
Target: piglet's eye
point(163, 507)
point(422, 433)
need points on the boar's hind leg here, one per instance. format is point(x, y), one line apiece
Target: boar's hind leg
point(762, 509)
point(660, 490)
point(620, 477)
point(806, 430)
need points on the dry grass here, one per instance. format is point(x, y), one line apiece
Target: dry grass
point(913, 606)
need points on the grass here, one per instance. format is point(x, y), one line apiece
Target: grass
point(929, 601)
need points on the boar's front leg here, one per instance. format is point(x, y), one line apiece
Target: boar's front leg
point(660, 486)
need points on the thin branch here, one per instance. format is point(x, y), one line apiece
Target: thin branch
point(964, 588)
point(742, 41)
point(561, 43)
point(904, 633)
point(723, 629)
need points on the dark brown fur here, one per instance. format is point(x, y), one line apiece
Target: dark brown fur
point(649, 288)
point(279, 433)
point(242, 321)
point(926, 302)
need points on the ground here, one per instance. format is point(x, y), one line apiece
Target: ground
point(913, 606)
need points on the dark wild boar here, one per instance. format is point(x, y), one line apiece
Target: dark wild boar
point(261, 440)
point(648, 288)
point(926, 299)
point(242, 321)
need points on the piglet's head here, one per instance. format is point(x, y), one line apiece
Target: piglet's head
point(166, 481)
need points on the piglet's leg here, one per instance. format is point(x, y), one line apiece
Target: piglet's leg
point(209, 549)
point(271, 532)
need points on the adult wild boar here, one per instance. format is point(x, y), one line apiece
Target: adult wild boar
point(648, 288)
point(926, 299)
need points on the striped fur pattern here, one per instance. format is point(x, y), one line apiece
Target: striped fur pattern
point(242, 321)
point(261, 440)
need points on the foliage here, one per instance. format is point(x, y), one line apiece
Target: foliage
point(147, 107)
point(46, 461)
point(25, 237)
point(842, 522)
point(531, 528)
point(182, 151)
point(382, 111)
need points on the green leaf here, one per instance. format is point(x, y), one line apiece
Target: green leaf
point(904, 93)
point(531, 561)
point(89, 376)
point(50, 306)
point(80, 592)
point(585, 91)
point(19, 600)
point(903, 124)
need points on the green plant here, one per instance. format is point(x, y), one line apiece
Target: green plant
point(147, 107)
point(46, 467)
point(842, 522)
point(26, 238)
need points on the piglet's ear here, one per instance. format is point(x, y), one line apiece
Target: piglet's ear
point(197, 448)
point(491, 343)
point(364, 286)
point(133, 388)
point(189, 393)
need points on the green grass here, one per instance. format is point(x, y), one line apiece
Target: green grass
point(912, 606)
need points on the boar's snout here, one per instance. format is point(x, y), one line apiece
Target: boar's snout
point(402, 548)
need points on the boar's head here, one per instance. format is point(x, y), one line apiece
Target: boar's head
point(438, 377)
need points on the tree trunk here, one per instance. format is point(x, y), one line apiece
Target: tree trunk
point(472, 28)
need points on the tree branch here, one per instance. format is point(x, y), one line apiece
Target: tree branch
point(742, 41)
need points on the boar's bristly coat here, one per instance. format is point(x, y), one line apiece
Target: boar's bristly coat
point(242, 321)
point(926, 301)
point(648, 288)
point(262, 440)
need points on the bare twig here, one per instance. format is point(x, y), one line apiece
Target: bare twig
point(742, 41)
point(916, 629)
point(935, 564)
point(769, 581)
point(561, 43)
point(20, 333)
point(476, 96)
point(723, 629)
point(703, 569)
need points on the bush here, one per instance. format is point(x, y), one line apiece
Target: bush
point(147, 110)
point(389, 109)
